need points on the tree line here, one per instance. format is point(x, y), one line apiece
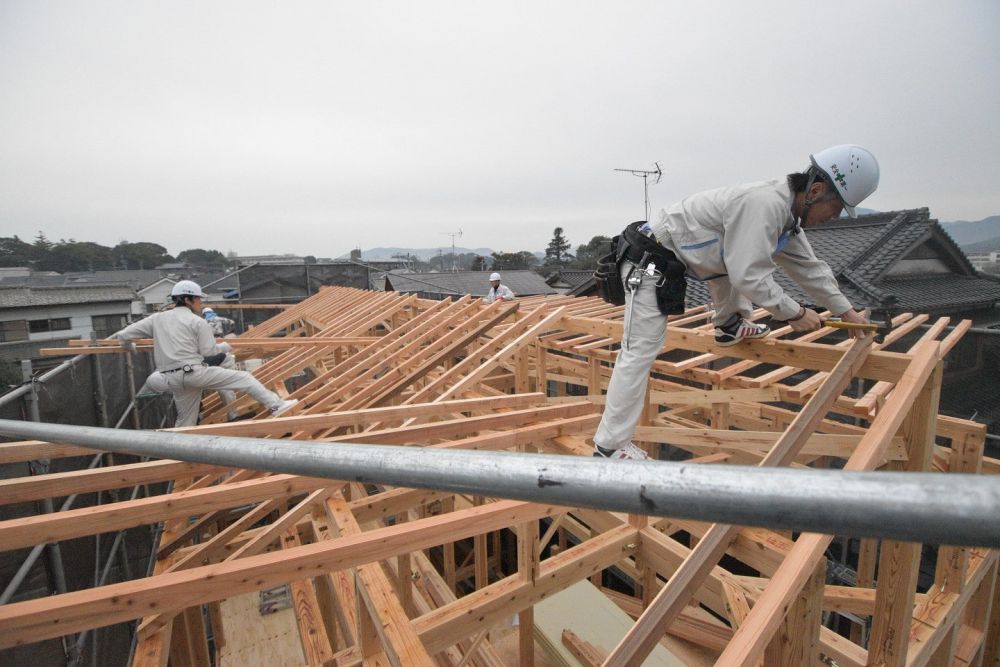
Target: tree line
point(65, 256)
point(71, 255)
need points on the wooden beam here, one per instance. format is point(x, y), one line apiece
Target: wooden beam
point(34, 620)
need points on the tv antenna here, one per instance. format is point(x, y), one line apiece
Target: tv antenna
point(454, 266)
point(645, 181)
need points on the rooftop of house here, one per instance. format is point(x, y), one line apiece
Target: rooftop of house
point(26, 297)
point(572, 278)
point(476, 283)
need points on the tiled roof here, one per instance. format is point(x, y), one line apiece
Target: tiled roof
point(476, 283)
point(23, 297)
point(574, 277)
point(136, 279)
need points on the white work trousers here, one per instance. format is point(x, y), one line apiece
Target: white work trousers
point(227, 395)
point(187, 387)
point(642, 340)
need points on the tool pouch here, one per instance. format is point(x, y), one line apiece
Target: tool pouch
point(609, 279)
point(670, 293)
point(671, 287)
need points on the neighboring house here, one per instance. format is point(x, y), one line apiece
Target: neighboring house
point(173, 267)
point(988, 262)
point(36, 317)
point(157, 295)
point(567, 280)
point(451, 285)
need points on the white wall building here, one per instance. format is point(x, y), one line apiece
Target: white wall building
point(36, 317)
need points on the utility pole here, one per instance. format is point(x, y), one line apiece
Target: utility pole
point(454, 267)
point(645, 182)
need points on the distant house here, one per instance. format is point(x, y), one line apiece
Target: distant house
point(567, 280)
point(156, 295)
point(36, 317)
point(451, 285)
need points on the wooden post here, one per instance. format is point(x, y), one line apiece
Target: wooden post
point(899, 562)
point(797, 640)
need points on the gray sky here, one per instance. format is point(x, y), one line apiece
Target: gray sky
point(315, 127)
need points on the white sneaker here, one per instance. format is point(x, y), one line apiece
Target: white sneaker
point(737, 329)
point(629, 452)
point(284, 407)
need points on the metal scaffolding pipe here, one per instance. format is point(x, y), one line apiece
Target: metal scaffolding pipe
point(15, 394)
point(932, 508)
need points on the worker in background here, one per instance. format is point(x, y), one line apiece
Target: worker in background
point(222, 327)
point(733, 238)
point(497, 291)
point(181, 342)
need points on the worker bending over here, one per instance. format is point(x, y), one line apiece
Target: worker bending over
point(181, 342)
point(733, 238)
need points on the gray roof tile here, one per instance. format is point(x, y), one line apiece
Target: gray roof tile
point(23, 297)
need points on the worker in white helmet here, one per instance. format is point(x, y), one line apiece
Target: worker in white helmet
point(497, 291)
point(734, 238)
point(182, 341)
point(222, 327)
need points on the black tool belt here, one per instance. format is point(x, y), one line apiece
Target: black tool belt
point(634, 246)
point(187, 368)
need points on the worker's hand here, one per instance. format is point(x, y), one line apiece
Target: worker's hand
point(224, 347)
point(128, 345)
point(809, 321)
point(857, 318)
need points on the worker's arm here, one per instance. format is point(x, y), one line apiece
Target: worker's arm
point(141, 329)
point(812, 274)
point(206, 339)
point(752, 225)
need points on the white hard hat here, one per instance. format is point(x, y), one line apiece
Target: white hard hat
point(494, 276)
point(187, 288)
point(853, 170)
point(207, 309)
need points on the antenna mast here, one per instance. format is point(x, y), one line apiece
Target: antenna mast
point(645, 182)
point(454, 266)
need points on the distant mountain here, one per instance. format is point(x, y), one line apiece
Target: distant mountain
point(982, 247)
point(965, 233)
point(424, 254)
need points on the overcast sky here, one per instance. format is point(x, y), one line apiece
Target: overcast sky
point(317, 127)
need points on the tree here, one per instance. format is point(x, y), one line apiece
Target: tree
point(203, 259)
point(15, 252)
point(74, 256)
point(478, 263)
point(142, 255)
point(512, 261)
point(588, 253)
point(557, 253)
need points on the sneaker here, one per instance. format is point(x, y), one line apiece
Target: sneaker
point(629, 452)
point(739, 329)
point(284, 407)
